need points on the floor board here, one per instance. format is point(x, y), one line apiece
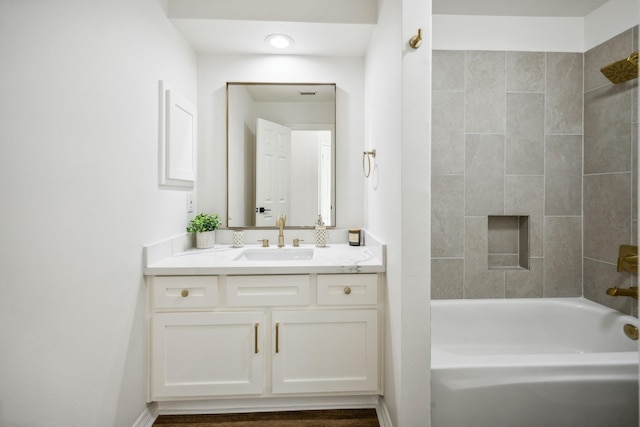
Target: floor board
point(324, 418)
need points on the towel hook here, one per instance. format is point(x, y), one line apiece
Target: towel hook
point(367, 155)
point(416, 41)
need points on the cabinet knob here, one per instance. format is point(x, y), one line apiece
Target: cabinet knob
point(347, 290)
point(184, 293)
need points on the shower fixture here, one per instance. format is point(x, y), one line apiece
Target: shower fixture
point(628, 258)
point(622, 70)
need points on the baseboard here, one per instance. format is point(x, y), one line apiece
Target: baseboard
point(383, 414)
point(148, 416)
point(265, 404)
point(153, 410)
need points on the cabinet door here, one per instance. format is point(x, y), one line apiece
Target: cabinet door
point(207, 354)
point(325, 351)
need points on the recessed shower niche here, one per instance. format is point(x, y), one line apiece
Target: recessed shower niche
point(508, 242)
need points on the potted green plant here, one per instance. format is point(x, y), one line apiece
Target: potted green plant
point(204, 226)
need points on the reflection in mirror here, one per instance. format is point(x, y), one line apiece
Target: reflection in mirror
point(280, 154)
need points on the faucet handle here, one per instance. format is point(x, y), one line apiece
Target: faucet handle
point(296, 242)
point(628, 258)
point(265, 242)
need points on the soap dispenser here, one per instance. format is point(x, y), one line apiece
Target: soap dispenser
point(321, 233)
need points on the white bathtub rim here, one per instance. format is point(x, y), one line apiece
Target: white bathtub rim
point(446, 356)
point(573, 301)
point(441, 360)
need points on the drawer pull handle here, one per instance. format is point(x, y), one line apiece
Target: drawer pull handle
point(184, 293)
point(255, 335)
point(347, 290)
point(277, 337)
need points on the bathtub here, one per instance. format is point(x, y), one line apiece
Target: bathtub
point(560, 362)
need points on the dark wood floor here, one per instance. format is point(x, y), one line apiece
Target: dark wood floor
point(325, 418)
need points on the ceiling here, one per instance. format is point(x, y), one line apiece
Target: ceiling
point(325, 27)
point(561, 8)
point(272, 92)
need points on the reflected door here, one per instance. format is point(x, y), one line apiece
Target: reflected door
point(325, 174)
point(273, 172)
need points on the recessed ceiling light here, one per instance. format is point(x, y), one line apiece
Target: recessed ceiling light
point(279, 41)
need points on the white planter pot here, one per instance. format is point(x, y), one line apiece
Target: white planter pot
point(206, 239)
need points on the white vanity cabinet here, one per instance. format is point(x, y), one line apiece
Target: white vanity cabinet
point(329, 350)
point(264, 335)
point(325, 351)
point(207, 354)
point(196, 351)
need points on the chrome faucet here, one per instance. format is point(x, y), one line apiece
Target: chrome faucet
point(280, 222)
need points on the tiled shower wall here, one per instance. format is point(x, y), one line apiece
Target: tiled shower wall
point(610, 171)
point(507, 140)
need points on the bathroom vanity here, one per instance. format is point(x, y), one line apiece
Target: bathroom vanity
point(264, 322)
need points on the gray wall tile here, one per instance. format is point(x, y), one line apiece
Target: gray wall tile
point(564, 93)
point(485, 92)
point(502, 261)
point(446, 278)
point(447, 70)
point(479, 281)
point(525, 71)
point(563, 175)
point(489, 158)
point(484, 176)
point(607, 130)
point(610, 189)
point(524, 195)
point(525, 283)
point(634, 171)
point(562, 257)
point(619, 47)
point(607, 210)
point(447, 135)
point(503, 234)
point(523, 242)
point(633, 87)
point(525, 133)
point(598, 276)
point(447, 217)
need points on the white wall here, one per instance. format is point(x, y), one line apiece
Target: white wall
point(398, 105)
point(609, 20)
point(416, 216)
point(78, 183)
point(213, 74)
point(383, 116)
point(242, 178)
point(305, 162)
point(534, 34)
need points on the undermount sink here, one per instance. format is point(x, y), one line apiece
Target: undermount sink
point(279, 254)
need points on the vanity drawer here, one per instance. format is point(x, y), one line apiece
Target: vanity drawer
point(347, 289)
point(185, 291)
point(268, 290)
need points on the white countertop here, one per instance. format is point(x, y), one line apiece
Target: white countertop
point(224, 259)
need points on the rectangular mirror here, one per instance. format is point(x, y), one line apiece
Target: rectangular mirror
point(280, 154)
